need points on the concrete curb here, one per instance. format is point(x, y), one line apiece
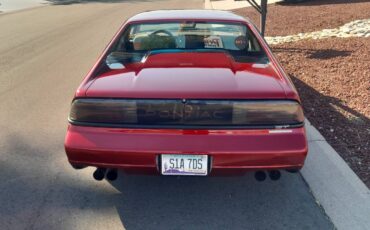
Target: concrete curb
point(344, 197)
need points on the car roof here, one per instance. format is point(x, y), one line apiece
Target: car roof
point(187, 15)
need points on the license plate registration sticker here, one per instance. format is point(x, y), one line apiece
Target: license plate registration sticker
point(189, 165)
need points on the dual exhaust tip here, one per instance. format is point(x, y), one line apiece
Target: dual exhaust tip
point(110, 174)
point(273, 174)
point(261, 175)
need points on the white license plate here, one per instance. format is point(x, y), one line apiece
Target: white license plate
point(190, 165)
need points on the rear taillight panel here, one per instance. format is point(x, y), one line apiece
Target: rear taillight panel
point(186, 113)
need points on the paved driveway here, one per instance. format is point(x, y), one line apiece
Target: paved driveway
point(44, 53)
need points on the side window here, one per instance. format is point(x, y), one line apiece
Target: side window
point(254, 46)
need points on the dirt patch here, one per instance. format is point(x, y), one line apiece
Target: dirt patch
point(333, 79)
point(313, 15)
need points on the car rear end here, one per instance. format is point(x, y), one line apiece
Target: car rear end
point(188, 110)
point(231, 136)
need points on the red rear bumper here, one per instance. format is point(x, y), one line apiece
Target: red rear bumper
point(230, 150)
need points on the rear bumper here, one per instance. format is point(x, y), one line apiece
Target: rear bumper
point(138, 150)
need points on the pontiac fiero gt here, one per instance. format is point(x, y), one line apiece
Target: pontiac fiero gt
point(190, 92)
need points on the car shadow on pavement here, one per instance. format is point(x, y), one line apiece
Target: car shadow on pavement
point(40, 191)
point(159, 202)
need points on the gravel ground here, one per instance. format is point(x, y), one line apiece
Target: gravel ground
point(333, 79)
point(287, 19)
point(357, 28)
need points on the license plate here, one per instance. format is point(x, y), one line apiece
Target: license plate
point(189, 165)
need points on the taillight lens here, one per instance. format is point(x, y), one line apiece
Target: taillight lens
point(103, 111)
point(190, 113)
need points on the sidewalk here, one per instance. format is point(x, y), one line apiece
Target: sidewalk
point(13, 5)
point(230, 4)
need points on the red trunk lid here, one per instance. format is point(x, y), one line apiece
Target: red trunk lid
point(190, 75)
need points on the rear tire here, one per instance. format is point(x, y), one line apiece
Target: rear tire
point(293, 170)
point(78, 167)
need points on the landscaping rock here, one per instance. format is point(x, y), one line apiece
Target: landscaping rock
point(357, 28)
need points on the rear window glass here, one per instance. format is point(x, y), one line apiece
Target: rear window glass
point(140, 39)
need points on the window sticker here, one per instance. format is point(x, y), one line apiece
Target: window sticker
point(241, 42)
point(213, 42)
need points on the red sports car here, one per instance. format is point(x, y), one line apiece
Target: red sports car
point(187, 92)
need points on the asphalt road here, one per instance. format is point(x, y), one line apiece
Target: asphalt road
point(44, 54)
